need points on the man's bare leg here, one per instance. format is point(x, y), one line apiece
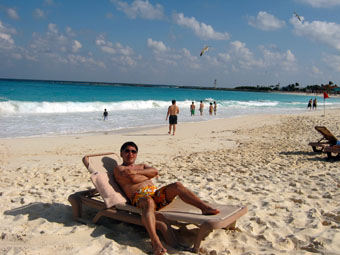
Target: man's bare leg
point(174, 129)
point(177, 188)
point(149, 221)
point(169, 129)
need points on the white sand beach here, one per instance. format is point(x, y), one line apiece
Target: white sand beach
point(261, 161)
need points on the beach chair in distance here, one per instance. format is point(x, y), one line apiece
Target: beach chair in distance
point(111, 202)
point(328, 139)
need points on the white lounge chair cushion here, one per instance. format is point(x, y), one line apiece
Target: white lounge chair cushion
point(108, 188)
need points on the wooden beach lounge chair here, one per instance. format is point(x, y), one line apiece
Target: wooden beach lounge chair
point(333, 152)
point(328, 139)
point(111, 202)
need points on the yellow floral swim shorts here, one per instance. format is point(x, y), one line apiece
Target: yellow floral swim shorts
point(158, 196)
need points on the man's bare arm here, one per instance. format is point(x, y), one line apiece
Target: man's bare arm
point(168, 113)
point(137, 173)
point(148, 171)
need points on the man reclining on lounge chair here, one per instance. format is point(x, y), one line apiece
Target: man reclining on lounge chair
point(135, 180)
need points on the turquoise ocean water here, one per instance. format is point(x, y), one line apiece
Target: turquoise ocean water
point(37, 108)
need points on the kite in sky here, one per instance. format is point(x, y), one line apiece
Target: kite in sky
point(206, 48)
point(298, 16)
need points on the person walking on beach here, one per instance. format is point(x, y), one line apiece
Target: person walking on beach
point(135, 181)
point(192, 109)
point(105, 114)
point(211, 108)
point(309, 106)
point(314, 104)
point(173, 110)
point(201, 108)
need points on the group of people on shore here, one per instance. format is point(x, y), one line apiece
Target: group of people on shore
point(212, 108)
point(173, 110)
point(312, 102)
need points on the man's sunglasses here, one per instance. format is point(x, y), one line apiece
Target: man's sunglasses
point(128, 151)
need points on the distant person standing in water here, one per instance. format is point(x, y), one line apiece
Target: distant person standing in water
point(173, 110)
point(201, 108)
point(314, 104)
point(309, 106)
point(192, 109)
point(105, 114)
point(211, 108)
point(215, 107)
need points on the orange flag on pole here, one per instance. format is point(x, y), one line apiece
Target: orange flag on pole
point(325, 95)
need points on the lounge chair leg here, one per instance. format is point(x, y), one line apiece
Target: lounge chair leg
point(76, 205)
point(98, 216)
point(204, 231)
point(330, 155)
point(232, 226)
point(316, 149)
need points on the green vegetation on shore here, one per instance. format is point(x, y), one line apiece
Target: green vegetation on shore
point(294, 87)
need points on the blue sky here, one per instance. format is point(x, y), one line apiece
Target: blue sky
point(252, 42)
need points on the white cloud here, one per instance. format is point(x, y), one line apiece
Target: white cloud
point(156, 46)
point(12, 13)
point(6, 40)
point(38, 14)
point(108, 49)
point(279, 60)
point(49, 2)
point(242, 55)
point(60, 48)
point(201, 29)
point(167, 56)
point(224, 57)
point(140, 8)
point(76, 60)
point(162, 53)
point(316, 70)
point(122, 55)
point(266, 21)
point(332, 61)
point(76, 46)
point(70, 32)
point(239, 58)
point(321, 3)
point(320, 31)
point(53, 28)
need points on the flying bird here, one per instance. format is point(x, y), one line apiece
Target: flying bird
point(298, 16)
point(206, 48)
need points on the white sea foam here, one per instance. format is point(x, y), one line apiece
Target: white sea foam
point(22, 107)
point(11, 107)
point(20, 119)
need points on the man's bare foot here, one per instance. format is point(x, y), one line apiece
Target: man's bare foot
point(210, 211)
point(159, 250)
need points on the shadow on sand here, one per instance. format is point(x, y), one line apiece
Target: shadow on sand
point(148, 135)
point(122, 233)
point(312, 156)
